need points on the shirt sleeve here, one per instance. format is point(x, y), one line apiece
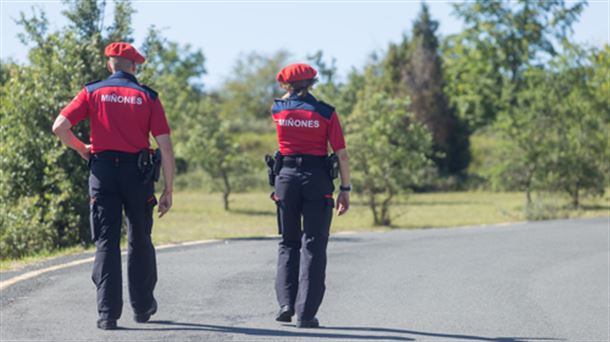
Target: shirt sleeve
point(335, 133)
point(158, 121)
point(78, 109)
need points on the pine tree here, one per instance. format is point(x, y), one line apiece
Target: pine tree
point(425, 85)
point(413, 68)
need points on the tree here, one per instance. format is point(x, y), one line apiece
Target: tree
point(348, 94)
point(414, 68)
point(175, 72)
point(527, 133)
point(487, 61)
point(425, 85)
point(557, 135)
point(44, 186)
point(579, 163)
point(327, 89)
point(389, 153)
point(249, 92)
point(212, 146)
point(497, 69)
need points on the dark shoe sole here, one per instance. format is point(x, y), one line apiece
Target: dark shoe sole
point(144, 317)
point(314, 323)
point(106, 324)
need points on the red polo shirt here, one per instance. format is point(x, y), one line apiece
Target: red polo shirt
point(122, 114)
point(306, 126)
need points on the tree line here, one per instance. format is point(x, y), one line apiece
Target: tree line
point(512, 79)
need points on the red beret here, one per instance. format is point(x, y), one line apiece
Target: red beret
point(124, 50)
point(296, 72)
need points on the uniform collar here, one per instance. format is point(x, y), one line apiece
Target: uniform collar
point(123, 74)
point(305, 98)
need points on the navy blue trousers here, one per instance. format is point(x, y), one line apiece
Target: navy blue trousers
point(116, 184)
point(304, 201)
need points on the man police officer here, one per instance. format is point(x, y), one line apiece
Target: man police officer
point(304, 193)
point(122, 114)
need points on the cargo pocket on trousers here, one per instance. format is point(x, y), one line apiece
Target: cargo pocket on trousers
point(151, 202)
point(94, 218)
point(328, 210)
point(277, 202)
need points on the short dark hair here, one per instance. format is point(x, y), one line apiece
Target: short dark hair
point(300, 87)
point(120, 63)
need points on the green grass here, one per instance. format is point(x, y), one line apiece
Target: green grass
point(11, 264)
point(199, 215)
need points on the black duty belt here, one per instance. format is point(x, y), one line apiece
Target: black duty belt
point(304, 160)
point(116, 156)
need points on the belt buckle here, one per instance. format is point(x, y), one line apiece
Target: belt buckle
point(299, 161)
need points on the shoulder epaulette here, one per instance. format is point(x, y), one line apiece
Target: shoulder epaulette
point(152, 92)
point(327, 105)
point(93, 82)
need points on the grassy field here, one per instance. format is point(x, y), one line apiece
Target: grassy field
point(198, 215)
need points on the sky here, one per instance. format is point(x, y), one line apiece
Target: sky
point(348, 31)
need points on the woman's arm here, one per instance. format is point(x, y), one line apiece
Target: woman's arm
point(343, 198)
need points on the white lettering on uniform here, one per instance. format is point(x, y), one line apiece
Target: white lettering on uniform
point(298, 123)
point(114, 98)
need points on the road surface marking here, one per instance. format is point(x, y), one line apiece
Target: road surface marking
point(29, 275)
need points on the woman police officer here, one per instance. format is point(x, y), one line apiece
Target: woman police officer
point(304, 193)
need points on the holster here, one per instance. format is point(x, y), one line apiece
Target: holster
point(157, 164)
point(270, 162)
point(149, 164)
point(274, 165)
point(277, 165)
point(332, 163)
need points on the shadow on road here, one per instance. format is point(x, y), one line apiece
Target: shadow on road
point(456, 336)
point(319, 333)
point(324, 332)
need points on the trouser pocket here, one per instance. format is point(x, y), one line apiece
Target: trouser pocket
point(94, 218)
point(328, 211)
point(151, 202)
point(276, 200)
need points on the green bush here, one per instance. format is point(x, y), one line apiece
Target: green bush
point(544, 209)
point(43, 186)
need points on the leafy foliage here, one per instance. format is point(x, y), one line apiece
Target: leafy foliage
point(388, 148)
point(414, 68)
point(487, 61)
point(512, 70)
point(44, 186)
point(212, 146)
point(536, 104)
point(247, 95)
point(175, 72)
point(558, 135)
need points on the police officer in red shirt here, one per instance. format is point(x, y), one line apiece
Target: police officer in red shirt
point(122, 114)
point(304, 193)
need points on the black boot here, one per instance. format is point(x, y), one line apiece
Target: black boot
point(312, 323)
point(145, 316)
point(106, 324)
point(285, 314)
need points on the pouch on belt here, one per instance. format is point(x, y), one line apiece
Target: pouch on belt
point(149, 164)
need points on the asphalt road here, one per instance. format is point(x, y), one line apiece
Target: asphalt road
point(545, 281)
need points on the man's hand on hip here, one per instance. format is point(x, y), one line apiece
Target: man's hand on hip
point(85, 152)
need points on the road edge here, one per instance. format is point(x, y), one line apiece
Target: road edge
point(5, 283)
